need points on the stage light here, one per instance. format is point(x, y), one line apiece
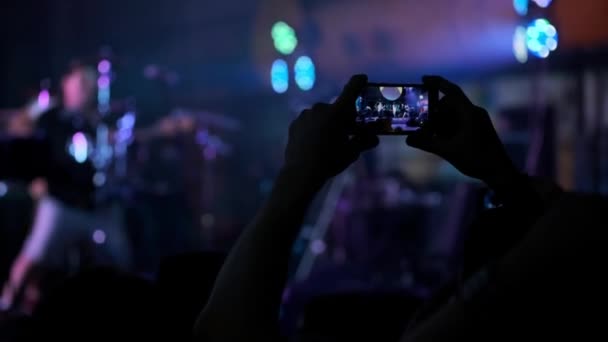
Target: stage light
point(99, 236)
point(318, 247)
point(104, 66)
point(541, 38)
point(103, 81)
point(279, 76)
point(99, 179)
point(44, 99)
point(305, 73)
point(521, 6)
point(3, 189)
point(103, 96)
point(543, 3)
point(520, 49)
point(284, 37)
point(79, 148)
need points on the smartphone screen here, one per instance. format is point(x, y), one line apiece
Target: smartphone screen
point(393, 108)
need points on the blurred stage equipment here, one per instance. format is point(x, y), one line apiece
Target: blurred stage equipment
point(213, 148)
point(536, 34)
point(285, 42)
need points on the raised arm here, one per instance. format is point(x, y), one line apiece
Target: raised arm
point(462, 133)
point(245, 301)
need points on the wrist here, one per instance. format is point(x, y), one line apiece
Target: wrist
point(510, 186)
point(302, 174)
point(503, 175)
point(297, 183)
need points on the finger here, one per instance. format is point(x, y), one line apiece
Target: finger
point(423, 139)
point(445, 86)
point(351, 91)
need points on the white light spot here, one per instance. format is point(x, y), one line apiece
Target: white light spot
point(551, 31)
point(80, 147)
point(317, 246)
point(99, 178)
point(99, 236)
point(551, 44)
point(544, 52)
point(3, 189)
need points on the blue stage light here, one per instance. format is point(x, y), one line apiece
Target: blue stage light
point(279, 76)
point(541, 38)
point(305, 73)
point(521, 6)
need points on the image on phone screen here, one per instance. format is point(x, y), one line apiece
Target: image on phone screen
point(392, 109)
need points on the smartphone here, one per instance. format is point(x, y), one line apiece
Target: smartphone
point(394, 109)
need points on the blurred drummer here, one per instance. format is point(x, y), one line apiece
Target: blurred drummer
point(67, 219)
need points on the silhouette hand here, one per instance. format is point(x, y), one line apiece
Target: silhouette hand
point(319, 141)
point(462, 133)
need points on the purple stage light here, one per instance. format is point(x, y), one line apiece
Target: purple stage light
point(99, 236)
point(44, 98)
point(103, 81)
point(104, 66)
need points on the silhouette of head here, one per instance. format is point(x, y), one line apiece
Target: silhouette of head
point(96, 304)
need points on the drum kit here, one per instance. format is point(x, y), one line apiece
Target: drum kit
point(181, 152)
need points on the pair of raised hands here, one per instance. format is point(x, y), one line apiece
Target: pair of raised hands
point(460, 132)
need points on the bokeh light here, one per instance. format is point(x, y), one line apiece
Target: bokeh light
point(104, 66)
point(543, 3)
point(521, 6)
point(520, 49)
point(99, 236)
point(279, 76)
point(79, 148)
point(284, 37)
point(541, 38)
point(3, 189)
point(305, 73)
point(44, 98)
point(103, 81)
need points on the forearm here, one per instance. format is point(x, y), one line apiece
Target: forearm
point(246, 298)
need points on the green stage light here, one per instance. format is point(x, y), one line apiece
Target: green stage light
point(284, 37)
